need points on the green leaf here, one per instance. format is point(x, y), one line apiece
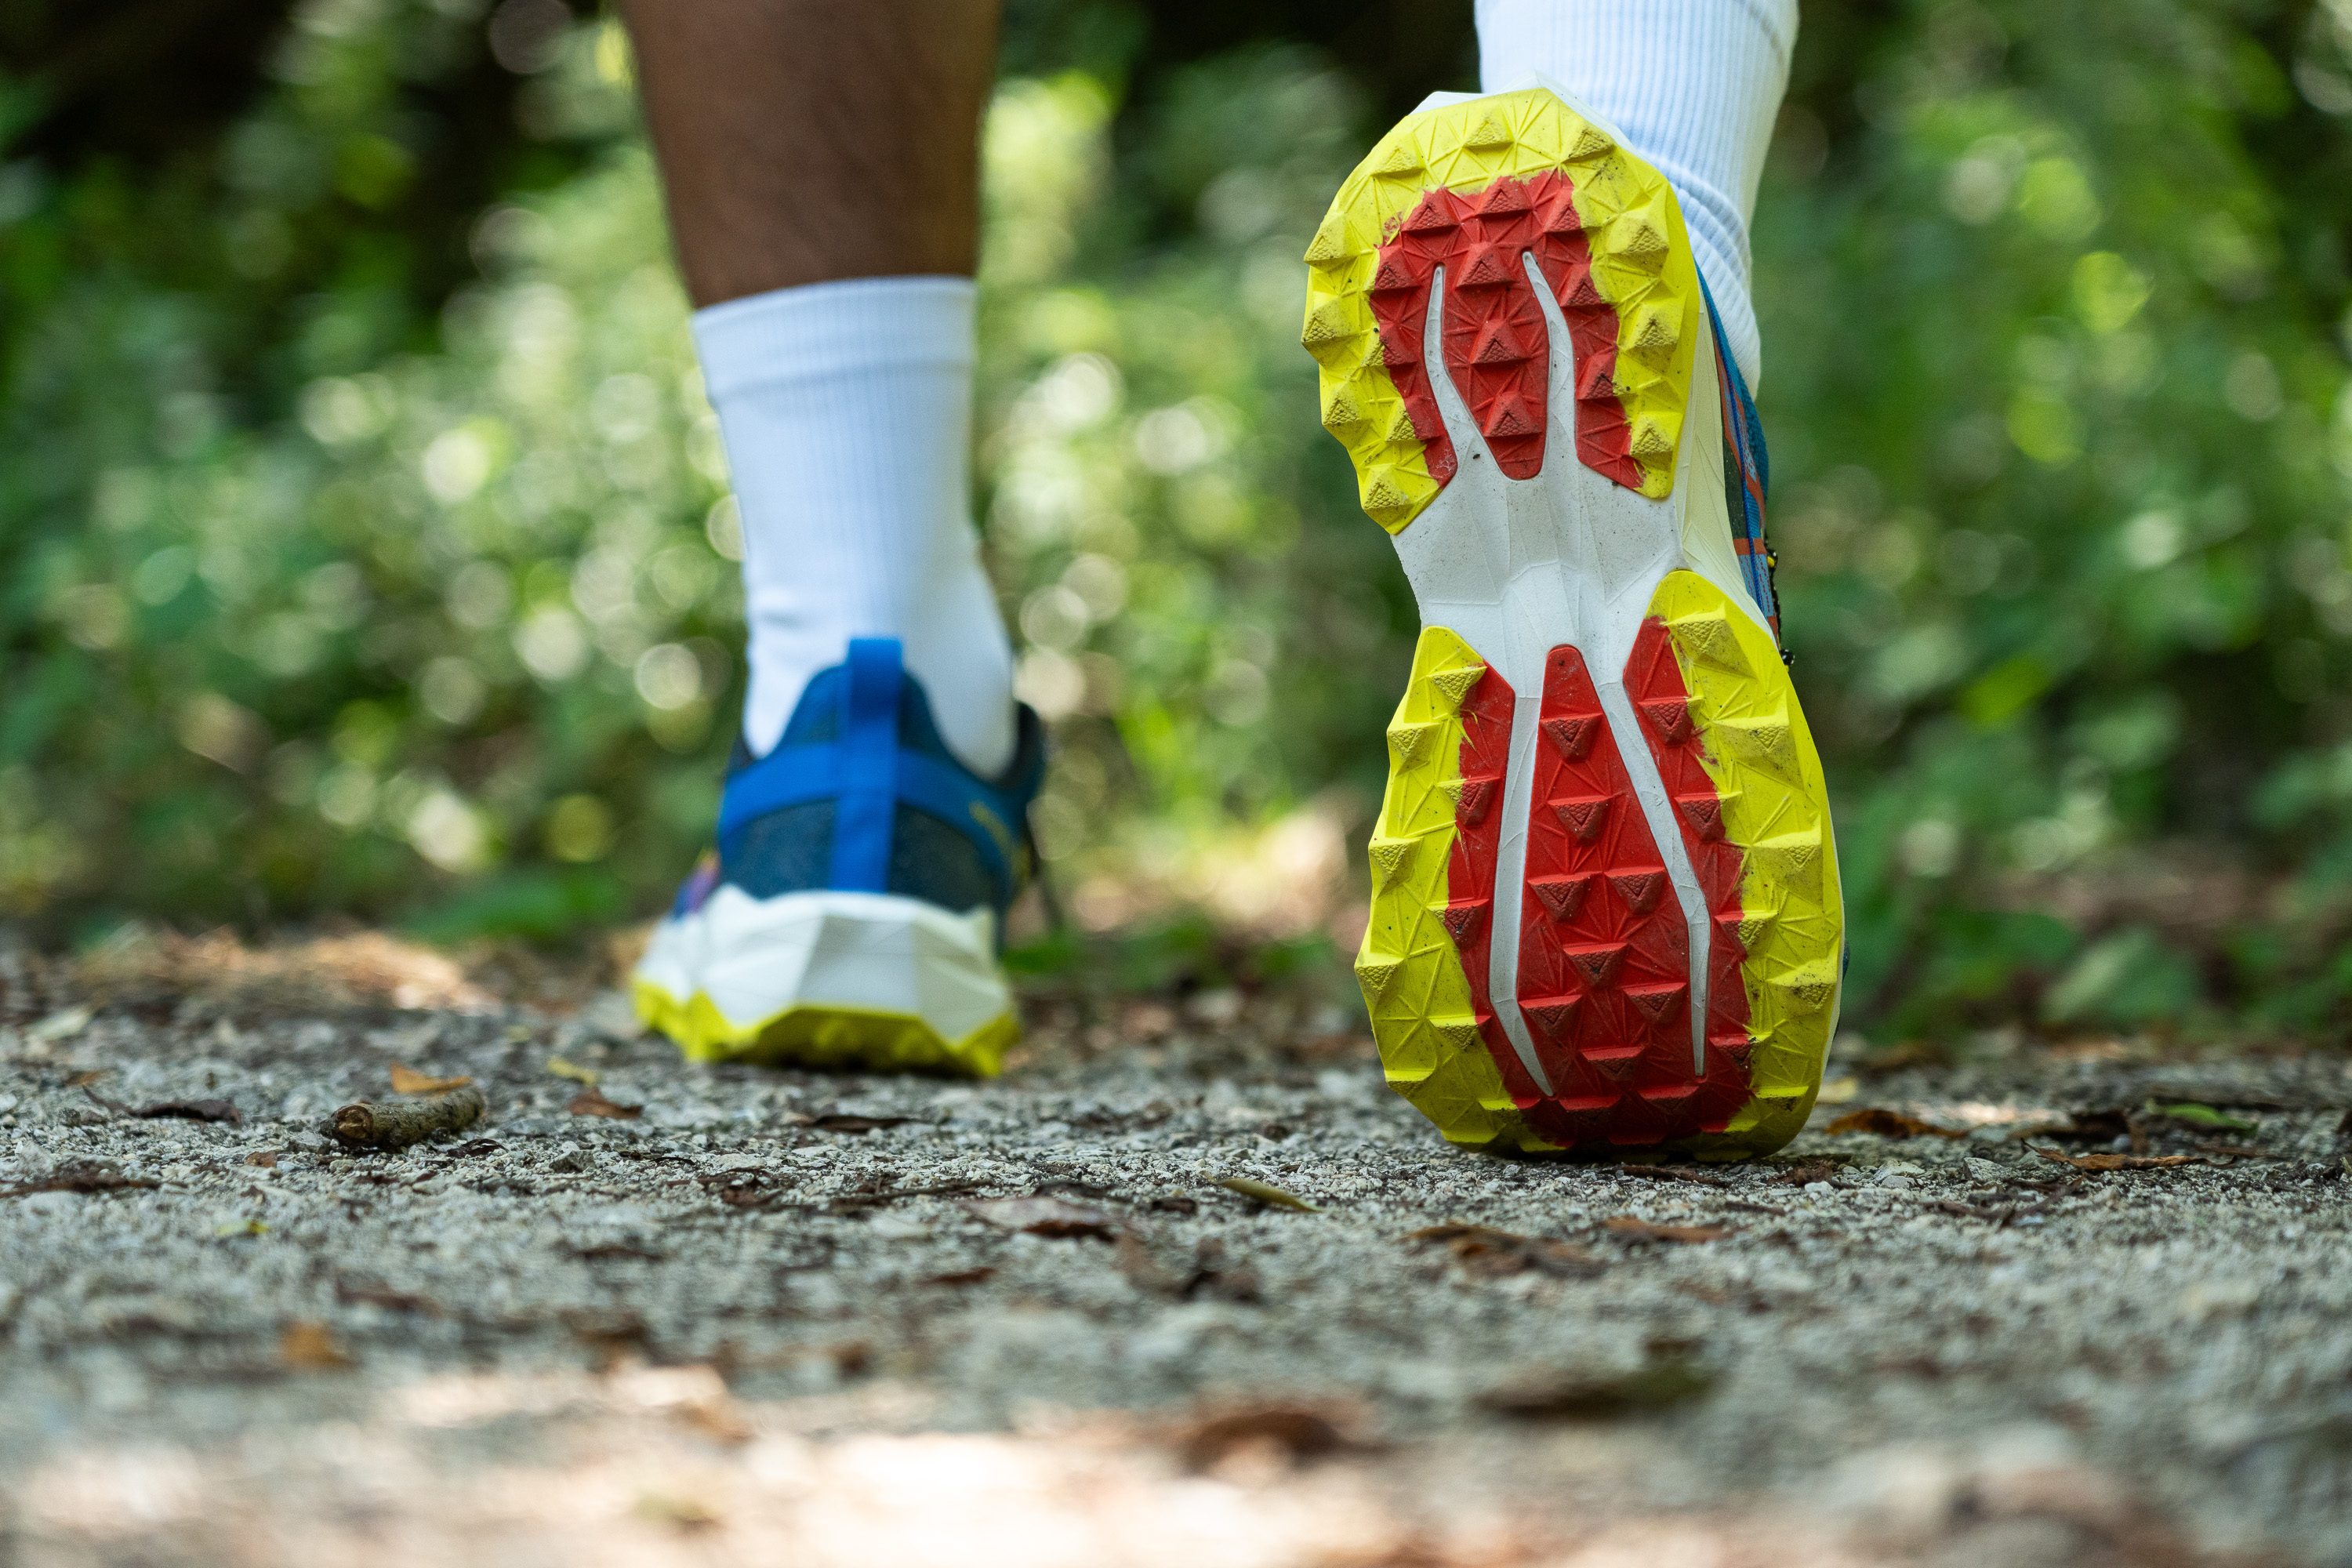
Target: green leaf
point(2198, 1115)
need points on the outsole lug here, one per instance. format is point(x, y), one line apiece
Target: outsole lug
point(1471, 188)
point(1673, 955)
point(1766, 858)
point(1423, 964)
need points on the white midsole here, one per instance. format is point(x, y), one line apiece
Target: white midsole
point(1519, 567)
point(873, 953)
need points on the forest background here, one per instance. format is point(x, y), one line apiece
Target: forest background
point(365, 548)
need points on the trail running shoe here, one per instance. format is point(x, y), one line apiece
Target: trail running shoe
point(1605, 907)
point(852, 913)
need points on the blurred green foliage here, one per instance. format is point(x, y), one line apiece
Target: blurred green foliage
point(327, 586)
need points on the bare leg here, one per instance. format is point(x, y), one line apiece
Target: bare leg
point(804, 141)
point(822, 160)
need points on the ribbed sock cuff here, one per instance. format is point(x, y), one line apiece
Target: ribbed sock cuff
point(852, 326)
point(1693, 86)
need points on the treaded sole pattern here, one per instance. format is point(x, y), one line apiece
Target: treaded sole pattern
point(1437, 1037)
point(1473, 187)
point(1605, 973)
point(1675, 966)
point(1751, 741)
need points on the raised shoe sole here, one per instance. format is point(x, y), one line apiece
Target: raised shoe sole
point(1605, 910)
point(860, 981)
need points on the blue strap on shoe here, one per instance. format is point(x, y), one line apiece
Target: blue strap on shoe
point(866, 808)
point(866, 768)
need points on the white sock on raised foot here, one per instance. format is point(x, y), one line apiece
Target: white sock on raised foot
point(1693, 86)
point(847, 408)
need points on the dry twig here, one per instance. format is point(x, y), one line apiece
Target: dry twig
point(397, 1123)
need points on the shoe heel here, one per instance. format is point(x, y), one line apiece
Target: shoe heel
point(1424, 962)
point(1484, 189)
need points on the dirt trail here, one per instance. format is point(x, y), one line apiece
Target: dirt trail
point(757, 1317)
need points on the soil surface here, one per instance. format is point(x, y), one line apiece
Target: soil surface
point(1187, 1286)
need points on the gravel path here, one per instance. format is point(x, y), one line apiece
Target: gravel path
point(764, 1317)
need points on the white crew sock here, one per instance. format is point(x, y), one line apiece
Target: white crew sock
point(1693, 86)
point(846, 408)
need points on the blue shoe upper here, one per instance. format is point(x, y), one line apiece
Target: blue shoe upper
point(861, 795)
point(1746, 472)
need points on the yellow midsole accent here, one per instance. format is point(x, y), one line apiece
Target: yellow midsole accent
point(1757, 748)
point(1641, 264)
point(825, 1036)
point(1411, 974)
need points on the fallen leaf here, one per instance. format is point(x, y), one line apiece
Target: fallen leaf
point(875, 1192)
point(1577, 1393)
point(617, 1250)
point(1671, 1173)
point(384, 1296)
point(1838, 1090)
point(574, 1071)
point(843, 1122)
point(1267, 1194)
point(1635, 1228)
point(307, 1346)
point(1293, 1431)
point(686, 1515)
point(1890, 1124)
point(2115, 1161)
point(1485, 1250)
point(171, 1109)
point(963, 1277)
point(2091, 1126)
point(77, 1179)
point(1045, 1216)
point(745, 1188)
point(406, 1080)
point(2196, 1115)
point(590, 1101)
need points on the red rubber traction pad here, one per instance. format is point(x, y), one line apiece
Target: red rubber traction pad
point(1496, 341)
point(1605, 954)
point(1653, 679)
point(1486, 715)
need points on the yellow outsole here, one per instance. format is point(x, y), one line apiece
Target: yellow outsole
point(1755, 744)
point(1635, 262)
point(839, 1039)
point(1424, 1018)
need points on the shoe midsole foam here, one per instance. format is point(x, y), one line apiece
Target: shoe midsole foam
point(756, 959)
